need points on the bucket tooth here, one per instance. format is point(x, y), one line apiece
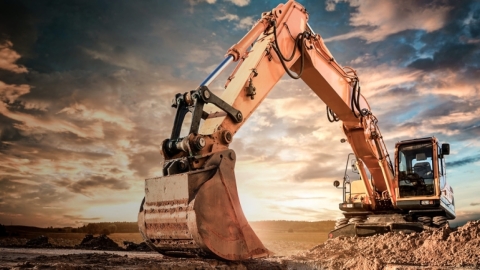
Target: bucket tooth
point(199, 212)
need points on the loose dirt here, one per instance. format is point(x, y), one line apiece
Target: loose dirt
point(434, 249)
point(442, 248)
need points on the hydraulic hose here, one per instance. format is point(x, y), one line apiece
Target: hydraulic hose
point(278, 47)
point(299, 41)
point(332, 117)
point(355, 101)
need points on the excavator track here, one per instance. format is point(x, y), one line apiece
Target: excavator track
point(363, 226)
point(198, 213)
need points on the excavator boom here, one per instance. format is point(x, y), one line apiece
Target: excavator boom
point(194, 209)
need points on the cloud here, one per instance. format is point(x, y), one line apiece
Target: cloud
point(8, 57)
point(117, 56)
point(228, 17)
point(10, 93)
point(455, 117)
point(142, 163)
point(26, 200)
point(80, 111)
point(288, 197)
point(85, 186)
point(439, 101)
point(330, 5)
point(246, 23)
point(475, 203)
point(319, 171)
point(376, 20)
point(77, 218)
point(452, 55)
point(304, 213)
point(240, 3)
point(464, 161)
point(242, 24)
point(195, 2)
point(30, 122)
point(384, 77)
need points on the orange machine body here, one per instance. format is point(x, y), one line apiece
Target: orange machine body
point(194, 207)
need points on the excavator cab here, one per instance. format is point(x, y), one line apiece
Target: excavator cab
point(416, 175)
point(423, 190)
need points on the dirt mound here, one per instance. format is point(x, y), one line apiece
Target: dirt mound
point(39, 242)
point(101, 242)
point(131, 246)
point(443, 247)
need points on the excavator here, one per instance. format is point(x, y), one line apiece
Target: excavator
point(193, 209)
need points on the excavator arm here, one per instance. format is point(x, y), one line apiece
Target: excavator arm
point(194, 207)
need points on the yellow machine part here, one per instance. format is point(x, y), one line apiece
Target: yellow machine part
point(357, 191)
point(199, 213)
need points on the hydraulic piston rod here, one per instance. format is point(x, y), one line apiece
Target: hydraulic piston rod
point(217, 71)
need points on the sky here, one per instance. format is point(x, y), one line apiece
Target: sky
point(86, 88)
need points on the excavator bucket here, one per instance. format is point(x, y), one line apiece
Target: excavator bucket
point(198, 213)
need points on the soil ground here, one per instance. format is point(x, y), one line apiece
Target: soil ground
point(444, 248)
point(14, 255)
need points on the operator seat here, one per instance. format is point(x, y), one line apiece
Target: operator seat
point(423, 169)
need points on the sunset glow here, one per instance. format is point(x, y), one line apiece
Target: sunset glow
point(86, 88)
